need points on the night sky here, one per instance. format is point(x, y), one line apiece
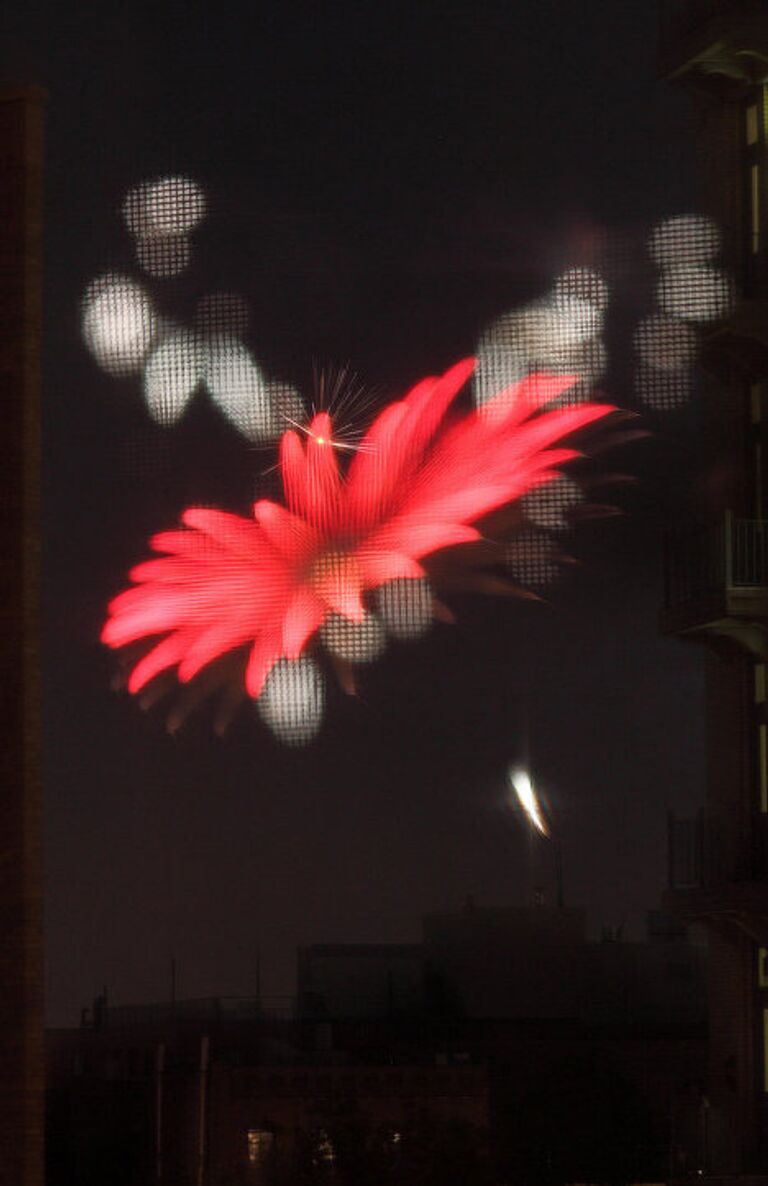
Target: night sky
point(383, 180)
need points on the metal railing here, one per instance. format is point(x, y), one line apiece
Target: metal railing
point(706, 852)
point(200, 1009)
point(707, 561)
point(678, 18)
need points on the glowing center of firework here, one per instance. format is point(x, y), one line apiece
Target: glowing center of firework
point(528, 799)
point(324, 437)
point(337, 579)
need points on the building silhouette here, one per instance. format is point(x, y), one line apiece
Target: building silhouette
point(443, 1058)
point(717, 584)
point(21, 1018)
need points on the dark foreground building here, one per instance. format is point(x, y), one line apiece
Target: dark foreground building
point(21, 1018)
point(717, 584)
point(221, 1093)
point(441, 1062)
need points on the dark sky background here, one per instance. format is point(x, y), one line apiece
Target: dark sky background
point(383, 180)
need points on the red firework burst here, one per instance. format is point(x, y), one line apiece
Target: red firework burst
point(418, 484)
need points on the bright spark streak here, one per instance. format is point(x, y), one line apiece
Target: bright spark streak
point(528, 799)
point(333, 442)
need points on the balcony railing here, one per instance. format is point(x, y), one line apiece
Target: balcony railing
point(706, 562)
point(707, 852)
point(679, 18)
point(724, 30)
point(199, 1009)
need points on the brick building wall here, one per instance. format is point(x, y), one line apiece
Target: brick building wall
point(21, 1053)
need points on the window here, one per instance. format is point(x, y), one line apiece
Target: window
point(754, 207)
point(760, 725)
point(324, 1152)
point(755, 114)
point(762, 967)
point(260, 1143)
point(755, 402)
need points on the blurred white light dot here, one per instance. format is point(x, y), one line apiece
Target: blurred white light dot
point(405, 607)
point(118, 323)
point(695, 294)
point(559, 335)
point(292, 700)
point(498, 367)
point(666, 344)
point(583, 284)
point(548, 505)
point(357, 642)
point(163, 207)
point(548, 330)
point(663, 390)
point(589, 362)
point(531, 559)
point(171, 375)
point(687, 240)
point(239, 389)
point(222, 314)
point(165, 256)
point(579, 318)
point(287, 404)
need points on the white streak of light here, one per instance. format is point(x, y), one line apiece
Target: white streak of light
point(528, 799)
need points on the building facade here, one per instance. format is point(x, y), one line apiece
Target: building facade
point(21, 957)
point(195, 1094)
point(717, 581)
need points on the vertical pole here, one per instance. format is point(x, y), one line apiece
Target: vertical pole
point(202, 1109)
point(728, 547)
point(159, 1084)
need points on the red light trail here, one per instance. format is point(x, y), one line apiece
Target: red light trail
point(420, 481)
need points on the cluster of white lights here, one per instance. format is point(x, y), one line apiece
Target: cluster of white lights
point(119, 323)
point(292, 700)
point(690, 291)
point(127, 335)
point(160, 215)
point(355, 642)
point(560, 334)
point(532, 559)
point(406, 607)
point(550, 505)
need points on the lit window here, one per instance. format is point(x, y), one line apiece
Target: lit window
point(325, 1154)
point(762, 967)
point(260, 1144)
point(754, 207)
point(756, 402)
point(758, 480)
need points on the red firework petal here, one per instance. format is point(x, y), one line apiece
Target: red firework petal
point(415, 487)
